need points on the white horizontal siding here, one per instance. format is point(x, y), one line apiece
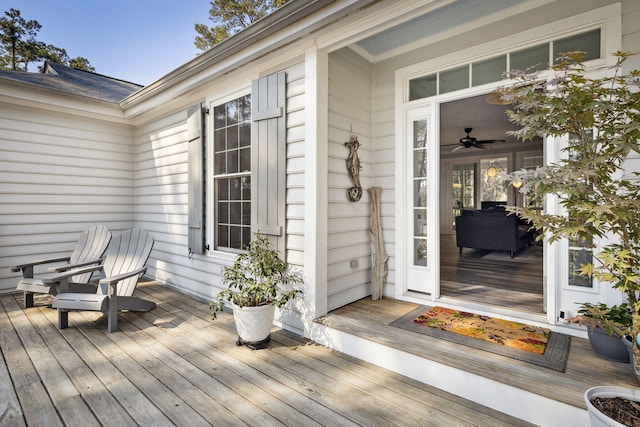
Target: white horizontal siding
point(349, 239)
point(161, 181)
point(59, 174)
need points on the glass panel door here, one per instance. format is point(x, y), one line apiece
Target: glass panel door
point(420, 238)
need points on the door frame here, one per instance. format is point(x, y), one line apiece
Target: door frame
point(555, 270)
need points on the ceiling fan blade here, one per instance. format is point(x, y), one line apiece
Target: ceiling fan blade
point(490, 141)
point(459, 147)
point(482, 147)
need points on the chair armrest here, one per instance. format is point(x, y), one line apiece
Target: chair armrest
point(57, 278)
point(118, 277)
point(39, 262)
point(75, 266)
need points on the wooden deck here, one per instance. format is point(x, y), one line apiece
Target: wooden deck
point(174, 366)
point(532, 392)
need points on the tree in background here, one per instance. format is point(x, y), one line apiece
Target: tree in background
point(230, 17)
point(19, 46)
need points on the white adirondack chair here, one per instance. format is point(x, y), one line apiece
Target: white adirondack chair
point(88, 251)
point(123, 265)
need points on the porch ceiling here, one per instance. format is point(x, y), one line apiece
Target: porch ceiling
point(455, 14)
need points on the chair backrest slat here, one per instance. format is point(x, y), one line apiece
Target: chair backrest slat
point(91, 245)
point(128, 252)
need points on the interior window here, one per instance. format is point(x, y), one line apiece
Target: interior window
point(492, 188)
point(464, 187)
point(232, 173)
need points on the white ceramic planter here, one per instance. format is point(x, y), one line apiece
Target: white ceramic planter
point(254, 323)
point(597, 418)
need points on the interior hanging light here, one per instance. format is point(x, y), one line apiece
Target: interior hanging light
point(492, 171)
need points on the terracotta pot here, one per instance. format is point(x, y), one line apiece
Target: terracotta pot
point(254, 323)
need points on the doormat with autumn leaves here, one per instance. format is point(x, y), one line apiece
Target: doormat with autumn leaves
point(527, 343)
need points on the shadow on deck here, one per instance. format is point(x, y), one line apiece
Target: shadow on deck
point(174, 366)
point(539, 395)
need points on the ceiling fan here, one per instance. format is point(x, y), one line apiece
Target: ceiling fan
point(469, 141)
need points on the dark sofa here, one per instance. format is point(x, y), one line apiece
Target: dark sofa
point(492, 229)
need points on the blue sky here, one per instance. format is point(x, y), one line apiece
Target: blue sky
point(134, 40)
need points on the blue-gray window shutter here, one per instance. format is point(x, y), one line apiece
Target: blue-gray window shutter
point(195, 140)
point(268, 158)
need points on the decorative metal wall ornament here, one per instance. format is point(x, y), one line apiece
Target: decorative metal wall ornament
point(354, 167)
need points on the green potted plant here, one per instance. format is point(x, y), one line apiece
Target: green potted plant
point(600, 201)
point(257, 282)
point(608, 327)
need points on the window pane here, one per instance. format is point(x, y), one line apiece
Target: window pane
point(223, 236)
point(232, 161)
point(232, 147)
point(223, 189)
point(488, 71)
point(235, 237)
point(420, 252)
point(246, 236)
point(244, 109)
point(219, 117)
point(587, 42)
point(246, 212)
point(420, 192)
point(235, 213)
point(235, 191)
point(219, 140)
point(223, 212)
point(232, 113)
point(245, 159)
point(455, 79)
point(420, 133)
point(245, 134)
point(246, 188)
point(532, 59)
point(423, 87)
point(232, 137)
point(579, 255)
point(220, 163)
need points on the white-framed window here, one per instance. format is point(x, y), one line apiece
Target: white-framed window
point(493, 69)
point(232, 173)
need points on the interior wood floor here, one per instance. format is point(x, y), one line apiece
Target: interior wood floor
point(174, 366)
point(513, 283)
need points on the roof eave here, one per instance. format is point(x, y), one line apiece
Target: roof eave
point(259, 31)
point(46, 98)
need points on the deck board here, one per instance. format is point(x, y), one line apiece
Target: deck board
point(174, 366)
point(369, 319)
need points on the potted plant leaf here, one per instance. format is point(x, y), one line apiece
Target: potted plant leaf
point(599, 199)
point(608, 327)
point(257, 282)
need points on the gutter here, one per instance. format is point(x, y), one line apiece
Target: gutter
point(288, 14)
